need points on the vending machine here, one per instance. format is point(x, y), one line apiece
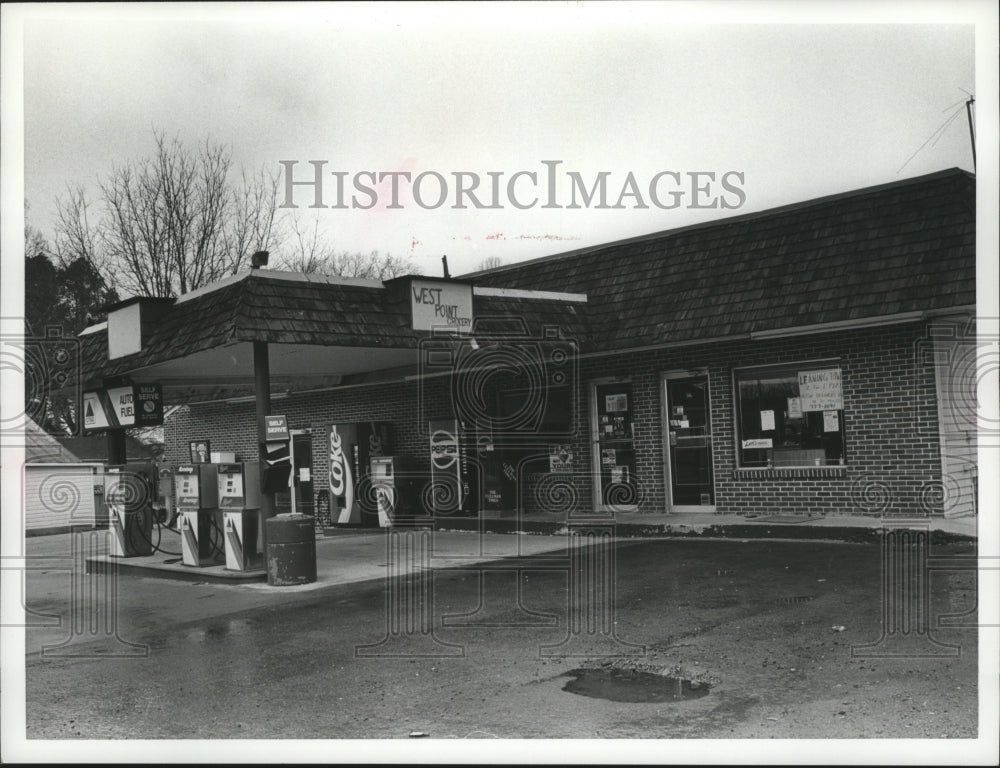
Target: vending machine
point(351, 448)
point(129, 490)
point(197, 498)
point(455, 467)
point(242, 527)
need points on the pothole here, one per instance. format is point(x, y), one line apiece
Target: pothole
point(632, 686)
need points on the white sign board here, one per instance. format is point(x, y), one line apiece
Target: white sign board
point(123, 403)
point(94, 416)
point(439, 305)
point(821, 390)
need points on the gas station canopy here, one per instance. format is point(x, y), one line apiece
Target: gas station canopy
point(320, 331)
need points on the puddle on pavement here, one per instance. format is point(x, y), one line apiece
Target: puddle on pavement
point(220, 630)
point(632, 686)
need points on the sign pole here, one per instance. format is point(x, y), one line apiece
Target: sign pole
point(262, 389)
point(116, 446)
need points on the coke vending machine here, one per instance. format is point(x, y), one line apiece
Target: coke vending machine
point(352, 446)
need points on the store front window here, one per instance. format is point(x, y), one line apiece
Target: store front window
point(790, 416)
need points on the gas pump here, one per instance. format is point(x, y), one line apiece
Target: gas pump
point(239, 500)
point(384, 484)
point(128, 492)
point(197, 493)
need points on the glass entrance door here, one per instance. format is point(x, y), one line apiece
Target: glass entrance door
point(617, 485)
point(299, 495)
point(689, 442)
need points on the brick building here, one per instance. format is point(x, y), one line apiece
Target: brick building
point(817, 358)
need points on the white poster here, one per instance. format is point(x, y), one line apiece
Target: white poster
point(821, 390)
point(831, 421)
point(766, 421)
point(615, 403)
point(794, 408)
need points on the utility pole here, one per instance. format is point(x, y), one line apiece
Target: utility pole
point(972, 133)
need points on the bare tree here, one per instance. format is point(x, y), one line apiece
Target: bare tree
point(171, 223)
point(35, 243)
point(490, 262)
point(310, 252)
point(175, 221)
point(373, 265)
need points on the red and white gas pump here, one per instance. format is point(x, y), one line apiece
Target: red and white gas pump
point(242, 524)
point(128, 492)
point(197, 494)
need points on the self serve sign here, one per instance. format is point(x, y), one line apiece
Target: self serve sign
point(125, 406)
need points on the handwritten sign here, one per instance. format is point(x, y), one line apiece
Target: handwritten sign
point(439, 305)
point(757, 443)
point(821, 390)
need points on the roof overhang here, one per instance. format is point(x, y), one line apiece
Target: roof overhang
point(296, 366)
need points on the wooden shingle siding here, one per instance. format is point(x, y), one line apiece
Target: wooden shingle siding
point(900, 248)
point(259, 308)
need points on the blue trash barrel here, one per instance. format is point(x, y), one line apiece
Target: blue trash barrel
point(291, 549)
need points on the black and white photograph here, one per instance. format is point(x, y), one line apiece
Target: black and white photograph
point(613, 382)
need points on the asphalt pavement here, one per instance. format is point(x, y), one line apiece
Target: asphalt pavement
point(510, 636)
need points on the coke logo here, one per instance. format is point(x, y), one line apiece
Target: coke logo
point(337, 466)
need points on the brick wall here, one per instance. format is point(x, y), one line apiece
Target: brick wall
point(233, 426)
point(890, 422)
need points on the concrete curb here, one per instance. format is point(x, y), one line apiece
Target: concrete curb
point(852, 534)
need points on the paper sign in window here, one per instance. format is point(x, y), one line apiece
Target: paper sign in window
point(831, 421)
point(794, 408)
point(766, 421)
point(614, 403)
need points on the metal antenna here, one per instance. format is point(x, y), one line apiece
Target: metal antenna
point(972, 132)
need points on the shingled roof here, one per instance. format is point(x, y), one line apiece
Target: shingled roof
point(285, 308)
point(903, 247)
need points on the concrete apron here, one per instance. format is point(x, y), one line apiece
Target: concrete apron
point(350, 558)
point(359, 555)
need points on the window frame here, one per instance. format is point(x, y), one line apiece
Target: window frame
point(748, 371)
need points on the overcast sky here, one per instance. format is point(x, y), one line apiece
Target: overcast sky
point(799, 109)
